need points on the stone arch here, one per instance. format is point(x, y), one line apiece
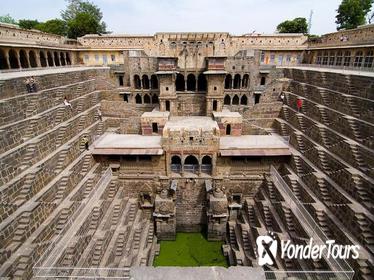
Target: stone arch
point(138, 99)
point(13, 60)
point(201, 82)
point(191, 159)
point(228, 81)
point(235, 100)
point(3, 61)
point(32, 59)
point(244, 100)
point(191, 82)
point(68, 60)
point(50, 58)
point(154, 82)
point(245, 81)
point(23, 59)
point(155, 99)
point(176, 159)
point(57, 61)
point(176, 164)
point(43, 60)
point(191, 164)
point(145, 82)
point(62, 59)
point(206, 160)
point(228, 129)
point(227, 100)
point(179, 83)
point(206, 164)
point(147, 99)
point(237, 81)
point(137, 82)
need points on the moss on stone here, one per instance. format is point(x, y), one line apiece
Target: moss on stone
point(190, 249)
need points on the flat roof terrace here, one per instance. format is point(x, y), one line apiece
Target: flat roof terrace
point(191, 123)
point(128, 144)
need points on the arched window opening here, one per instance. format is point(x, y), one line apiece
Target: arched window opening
point(13, 59)
point(155, 99)
point(137, 83)
point(138, 99)
point(206, 164)
point(244, 100)
point(167, 105)
point(228, 129)
point(263, 81)
point(176, 164)
point(57, 61)
point(235, 100)
point(228, 81)
point(179, 83)
point(347, 58)
point(32, 59)
point(358, 59)
point(191, 82)
point(191, 164)
point(43, 60)
point(245, 81)
point(145, 82)
point(3, 61)
point(214, 105)
point(68, 61)
point(154, 82)
point(201, 82)
point(50, 59)
point(62, 59)
point(339, 58)
point(147, 99)
point(369, 59)
point(237, 81)
point(23, 59)
point(227, 100)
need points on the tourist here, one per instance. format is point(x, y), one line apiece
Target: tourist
point(33, 83)
point(299, 104)
point(28, 85)
point(67, 103)
point(282, 97)
point(99, 114)
point(85, 142)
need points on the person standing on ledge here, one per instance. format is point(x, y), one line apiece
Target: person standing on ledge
point(85, 142)
point(282, 97)
point(99, 114)
point(67, 103)
point(299, 104)
point(28, 85)
point(33, 84)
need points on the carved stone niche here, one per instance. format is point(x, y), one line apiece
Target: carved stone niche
point(217, 213)
point(164, 215)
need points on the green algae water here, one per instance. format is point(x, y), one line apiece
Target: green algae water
point(190, 249)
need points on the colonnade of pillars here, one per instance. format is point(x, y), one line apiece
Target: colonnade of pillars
point(24, 58)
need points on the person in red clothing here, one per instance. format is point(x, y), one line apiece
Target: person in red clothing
point(299, 104)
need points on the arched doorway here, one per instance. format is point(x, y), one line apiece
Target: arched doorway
point(214, 105)
point(145, 81)
point(138, 99)
point(154, 82)
point(206, 164)
point(191, 164)
point(57, 61)
point(176, 164)
point(237, 81)
point(32, 59)
point(167, 105)
point(227, 100)
point(68, 61)
point(245, 81)
point(228, 81)
point(228, 129)
point(3, 61)
point(191, 82)
point(50, 59)
point(235, 100)
point(13, 59)
point(179, 83)
point(43, 60)
point(201, 83)
point(137, 82)
point(244, 100)
point(23, 59)
point(147, 99)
